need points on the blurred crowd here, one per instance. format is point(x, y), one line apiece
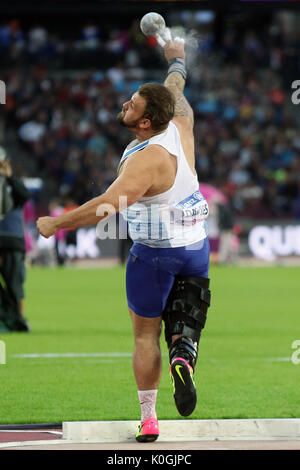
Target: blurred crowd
point(63, 97)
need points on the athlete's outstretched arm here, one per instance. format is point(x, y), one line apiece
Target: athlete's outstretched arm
point(175, 80)
point(136, 178)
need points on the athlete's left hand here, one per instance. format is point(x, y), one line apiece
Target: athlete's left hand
point(46, 226)
point(174, 49)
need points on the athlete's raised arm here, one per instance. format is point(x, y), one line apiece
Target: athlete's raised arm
point(175, 81)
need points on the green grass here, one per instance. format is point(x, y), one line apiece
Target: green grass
point(254, 318)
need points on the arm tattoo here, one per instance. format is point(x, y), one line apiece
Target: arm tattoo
point(175, 83)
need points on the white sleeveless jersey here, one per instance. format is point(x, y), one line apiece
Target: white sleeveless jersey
point(175, 217)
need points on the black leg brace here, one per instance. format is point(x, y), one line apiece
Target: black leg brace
point(185, 314)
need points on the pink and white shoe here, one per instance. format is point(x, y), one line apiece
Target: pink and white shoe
point(148, 431)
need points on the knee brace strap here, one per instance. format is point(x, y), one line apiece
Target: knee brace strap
point(186, 308)
point(183, 347)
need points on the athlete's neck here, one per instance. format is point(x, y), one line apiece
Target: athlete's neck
point(145, 135)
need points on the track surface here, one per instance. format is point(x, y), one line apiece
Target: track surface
point(38, 438)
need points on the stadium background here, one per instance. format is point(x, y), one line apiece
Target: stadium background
point(69, 66)
point(65, 82)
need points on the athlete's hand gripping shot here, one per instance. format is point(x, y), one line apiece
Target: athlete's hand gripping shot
point(167, 269)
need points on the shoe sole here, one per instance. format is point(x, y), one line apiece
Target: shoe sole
point(147, 437)
point(185, 395)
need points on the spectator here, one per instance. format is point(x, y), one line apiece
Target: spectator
point(33, 131)
point(226, 225)
point(12, 251)
point(90, 35)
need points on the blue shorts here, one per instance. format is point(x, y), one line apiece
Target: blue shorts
point(151, 272)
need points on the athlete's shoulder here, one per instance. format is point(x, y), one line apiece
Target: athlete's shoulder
point(152, 154)
point(148, 157)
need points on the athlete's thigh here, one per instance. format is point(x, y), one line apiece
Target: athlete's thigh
point(144, 327)
point(147, 287)
point(196, 259)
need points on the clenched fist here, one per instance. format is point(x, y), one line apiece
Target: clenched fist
point(46, 226)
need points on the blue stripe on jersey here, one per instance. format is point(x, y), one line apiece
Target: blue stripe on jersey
point(134, 149)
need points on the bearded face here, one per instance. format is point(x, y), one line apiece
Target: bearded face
point(132, 112)
point(130, 124)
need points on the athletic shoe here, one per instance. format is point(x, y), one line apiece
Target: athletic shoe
point(148, 431)
point(21, 324)
point(184, 386)
point(16, 324)
point(3, 328)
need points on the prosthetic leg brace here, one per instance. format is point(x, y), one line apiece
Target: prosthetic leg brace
point(185, 315)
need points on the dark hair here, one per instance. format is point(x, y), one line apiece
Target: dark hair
point(160, 104)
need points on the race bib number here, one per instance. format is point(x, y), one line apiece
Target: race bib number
point(191, 210)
